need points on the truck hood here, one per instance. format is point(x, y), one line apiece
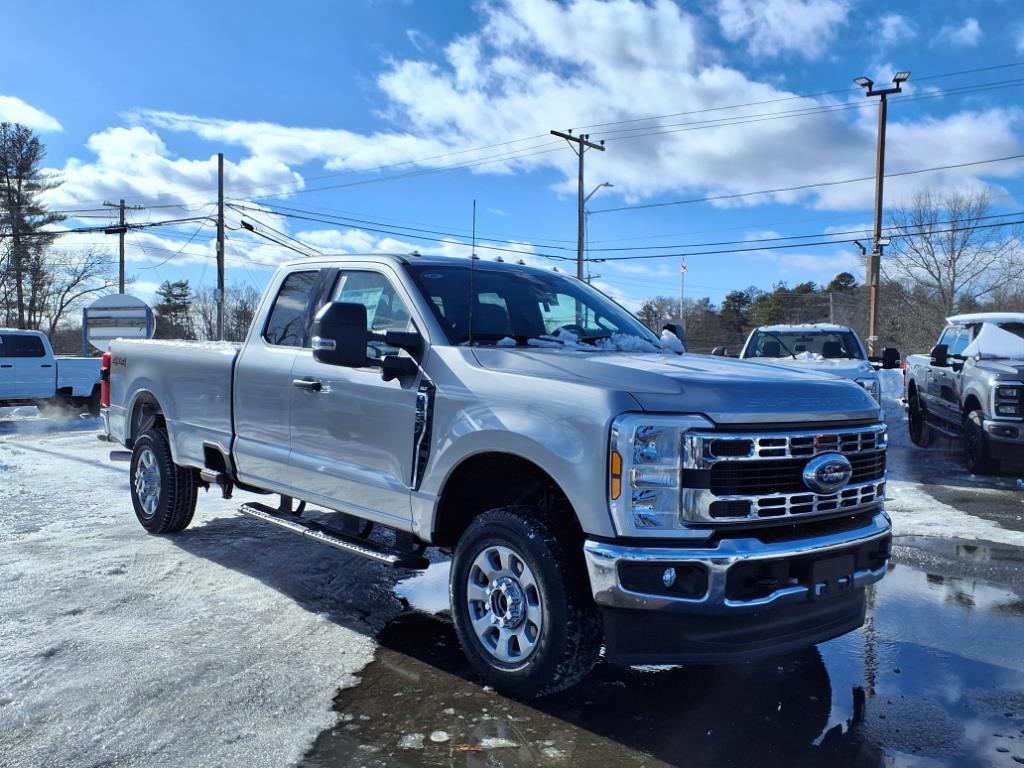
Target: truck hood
point(847, 369)
point(727, 391)
point(1001, 367)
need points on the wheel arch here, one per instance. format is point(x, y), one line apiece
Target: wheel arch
point(510, 479)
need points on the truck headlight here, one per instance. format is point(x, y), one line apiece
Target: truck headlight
point(871, 385)
point(646, 459)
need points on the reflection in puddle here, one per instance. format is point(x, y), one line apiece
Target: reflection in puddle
point(934, 678)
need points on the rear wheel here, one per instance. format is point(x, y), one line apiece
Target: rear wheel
point(921, 433)
point(163, 494)
point(977, 456)
point(521, 603)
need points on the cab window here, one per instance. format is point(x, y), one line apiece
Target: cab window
point(18, 345)
point(962, 339)
point(288, 324)
point(948, 337)
point(385, 309)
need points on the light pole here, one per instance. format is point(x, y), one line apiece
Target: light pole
point(875, 260)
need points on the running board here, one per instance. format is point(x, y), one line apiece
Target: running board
point(943, 429)
point(335, 538)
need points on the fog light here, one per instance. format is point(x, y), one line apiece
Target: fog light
point(668, 578)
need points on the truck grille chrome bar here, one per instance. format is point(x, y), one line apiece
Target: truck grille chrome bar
point(758, 477)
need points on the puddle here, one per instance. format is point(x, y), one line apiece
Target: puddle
point(934, 678)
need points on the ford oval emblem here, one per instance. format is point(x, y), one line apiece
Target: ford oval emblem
point(827, 473)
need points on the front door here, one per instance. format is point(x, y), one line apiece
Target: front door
point(352, 442)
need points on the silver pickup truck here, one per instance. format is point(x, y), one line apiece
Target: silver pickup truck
point(970, 387)
point(595, 487)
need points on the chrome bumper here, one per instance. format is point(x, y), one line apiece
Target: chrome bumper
point(603, 561)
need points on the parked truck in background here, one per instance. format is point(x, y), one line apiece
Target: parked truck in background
point(30, 374)
point(594, 487)
point(822, 347)
point(970, 388)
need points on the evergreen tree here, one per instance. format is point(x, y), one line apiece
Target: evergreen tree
point(174, 310)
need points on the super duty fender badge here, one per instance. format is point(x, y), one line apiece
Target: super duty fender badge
point(827, 473)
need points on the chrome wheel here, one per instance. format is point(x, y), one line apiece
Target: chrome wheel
point(504, 604)
point(147, 482)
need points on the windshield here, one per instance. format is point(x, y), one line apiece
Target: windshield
point(805, 345)
point(528, 308)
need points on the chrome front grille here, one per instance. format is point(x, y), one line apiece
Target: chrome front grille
point(750, 477)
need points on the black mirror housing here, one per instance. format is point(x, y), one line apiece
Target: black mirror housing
point(677, 330)
point(720, 352)
point(398, 367)
point(940, 355)
point(339, 334)
point(890, 358)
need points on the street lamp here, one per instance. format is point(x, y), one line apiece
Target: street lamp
point(875, 260)
point(586, 227)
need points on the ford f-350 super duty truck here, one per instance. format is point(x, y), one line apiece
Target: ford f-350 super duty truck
point(594, 487)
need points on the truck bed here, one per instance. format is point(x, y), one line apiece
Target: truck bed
point(192, 382)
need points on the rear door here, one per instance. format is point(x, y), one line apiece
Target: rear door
point(263, 389)
point(35, 376)
point(353, 440)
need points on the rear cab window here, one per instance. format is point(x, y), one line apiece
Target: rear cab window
point(289, 319)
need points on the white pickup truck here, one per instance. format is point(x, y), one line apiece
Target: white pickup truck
point(820, 347)
point(30, 374)
point(594, 486)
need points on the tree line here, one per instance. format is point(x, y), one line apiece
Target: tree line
point(948, 255)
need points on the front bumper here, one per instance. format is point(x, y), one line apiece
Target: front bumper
point(1006, 438)
point(741, 598)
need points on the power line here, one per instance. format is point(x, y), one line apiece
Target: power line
point(800, 187)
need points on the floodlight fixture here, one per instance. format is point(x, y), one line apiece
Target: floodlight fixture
point(884, 241)
point(901, 77)
point(864, 82)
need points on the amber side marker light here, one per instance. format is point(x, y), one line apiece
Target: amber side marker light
point(615, 470)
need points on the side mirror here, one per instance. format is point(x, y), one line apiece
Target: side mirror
point(677, 330)
point(890, 358)
point(940, 355)
point(720, 352)
point(339, 334)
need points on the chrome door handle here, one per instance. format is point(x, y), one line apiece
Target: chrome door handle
point(308, 384)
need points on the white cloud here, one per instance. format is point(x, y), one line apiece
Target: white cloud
point(1020, 39)
point(895, 28)
point(772, 27)
point(967, 35)
point(14, 110)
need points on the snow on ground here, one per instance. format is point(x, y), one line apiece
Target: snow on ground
point(914, 510)
point(222, 645)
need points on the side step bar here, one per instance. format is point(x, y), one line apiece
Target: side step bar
point(335, 538)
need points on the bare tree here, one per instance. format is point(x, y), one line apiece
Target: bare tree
point(72, 279)
point(240, 303)
point(23, 218)
point(946, 250)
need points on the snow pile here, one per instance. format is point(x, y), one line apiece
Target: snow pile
point(505, 342)
point(995, 342)
point(617, 342)
point(122, 648)
point(672, 342)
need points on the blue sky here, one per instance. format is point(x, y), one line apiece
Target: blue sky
point(357, 110)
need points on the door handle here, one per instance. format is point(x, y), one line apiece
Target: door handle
point(308, 384)
point(45, 365)
point(5, 365)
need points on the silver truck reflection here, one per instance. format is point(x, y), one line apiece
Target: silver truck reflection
point(970, 387)
point(594, 487)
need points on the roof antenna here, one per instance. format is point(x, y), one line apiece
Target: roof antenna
point(472, 264)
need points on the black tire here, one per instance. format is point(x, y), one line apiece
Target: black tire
point(977, 457)
point(921, 433)
point(568, 641)
point(167, 506)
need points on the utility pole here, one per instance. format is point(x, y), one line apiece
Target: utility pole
point(682, 291)
point(120, 230)
point(582, 143)
point(875, 259)
point(220, 246)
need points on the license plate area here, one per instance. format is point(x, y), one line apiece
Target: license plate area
point(832, 576)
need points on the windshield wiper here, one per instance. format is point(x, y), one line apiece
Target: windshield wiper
point(781, 342)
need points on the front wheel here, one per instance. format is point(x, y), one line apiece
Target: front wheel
point(977, 457)
point(521, 603)
point(163, 494)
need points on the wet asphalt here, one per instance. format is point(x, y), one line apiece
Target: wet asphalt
point(934, 678)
